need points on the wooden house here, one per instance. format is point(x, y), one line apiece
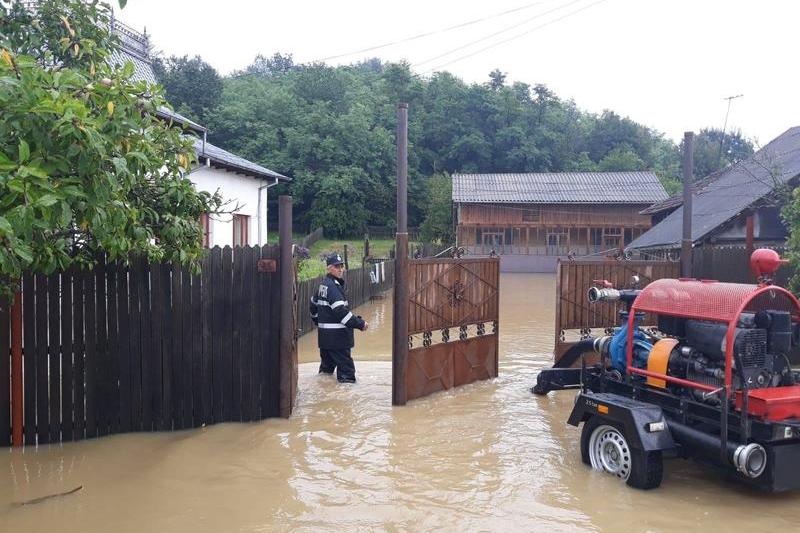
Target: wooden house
point(532, 219)
point(739, 205)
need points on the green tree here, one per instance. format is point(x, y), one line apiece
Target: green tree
point(191, 85)
point(713, 152)
point(85, 165)
point(620, 159)
point(438, 223)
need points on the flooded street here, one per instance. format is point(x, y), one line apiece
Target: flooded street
point(486, 457)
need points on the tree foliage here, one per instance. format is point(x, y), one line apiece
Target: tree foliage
point(332, 130)
point(438, 223)
point(713, 152)
point(191, 85)
point(85, 165)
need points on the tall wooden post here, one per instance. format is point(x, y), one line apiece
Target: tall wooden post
point(688, 186)
point(16, 370)
point(400, 314)
point(288, 347)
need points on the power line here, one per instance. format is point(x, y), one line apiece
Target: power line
point(515, 37)
point(504, 30)
point(434, 32)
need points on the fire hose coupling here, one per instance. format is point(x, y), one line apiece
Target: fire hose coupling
point(597, 294)
point(750, 459)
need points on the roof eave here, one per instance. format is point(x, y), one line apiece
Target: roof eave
point(216, 163)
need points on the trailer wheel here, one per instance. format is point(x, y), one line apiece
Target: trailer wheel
point(605, 447)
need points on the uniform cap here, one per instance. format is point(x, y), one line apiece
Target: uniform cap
point(334, 259)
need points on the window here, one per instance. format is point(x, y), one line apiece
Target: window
point(557, 239)
point(240, 226)
point(205, 223)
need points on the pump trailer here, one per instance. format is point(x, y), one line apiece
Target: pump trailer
point(713, 381)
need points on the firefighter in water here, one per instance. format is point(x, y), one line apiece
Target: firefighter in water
point(330, 312)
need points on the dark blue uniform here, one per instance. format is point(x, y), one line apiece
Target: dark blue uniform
point(330, 311)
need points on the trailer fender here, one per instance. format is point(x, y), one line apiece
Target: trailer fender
point(644, 424)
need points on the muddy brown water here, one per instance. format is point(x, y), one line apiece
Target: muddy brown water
point(486, 457)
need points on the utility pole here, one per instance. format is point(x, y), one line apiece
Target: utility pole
point(688, 179)
point(725, 125)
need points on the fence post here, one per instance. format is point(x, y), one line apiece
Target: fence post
point(288, 354)
point(400, 314)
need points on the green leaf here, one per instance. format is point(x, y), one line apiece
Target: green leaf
point(6, 163)
point(5, 226)
point(24, 151)
point(33, 171)
point(24, 252)
point(47, 200)
point(122, 3)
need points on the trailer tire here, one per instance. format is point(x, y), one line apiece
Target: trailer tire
point(638, 468)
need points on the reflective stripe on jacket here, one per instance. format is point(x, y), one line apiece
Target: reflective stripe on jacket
point(331, 313)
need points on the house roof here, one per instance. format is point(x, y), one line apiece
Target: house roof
point(676, 200)
point(733, 191)
point(134, 47)
point(217, 157)
point(559, 187)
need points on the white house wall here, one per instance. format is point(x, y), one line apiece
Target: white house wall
point(237, 189)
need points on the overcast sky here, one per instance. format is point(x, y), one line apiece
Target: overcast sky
point(668, 64)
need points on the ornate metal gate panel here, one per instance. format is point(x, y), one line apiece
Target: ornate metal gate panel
point(452, 323)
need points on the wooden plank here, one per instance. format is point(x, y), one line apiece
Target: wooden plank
point(217, 332)
point(112, 374)
point(237, 331)
point(101, 358)
point(136, 289)
point(42, 383)
point(90, 360)
point(5, 372)
point(176, 337)
point(124, 302)
point(227, 330)
point(29, 356)
point(67, 364)
point(248, 329)
point(147, 349)
point(78, 355)
point(159, 300)
point(259, 334)
point(54, 356)
point(197, 348)
point(186, 368)
point(270, 360)
point(207, 381)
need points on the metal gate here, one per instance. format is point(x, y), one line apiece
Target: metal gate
point(452, 326)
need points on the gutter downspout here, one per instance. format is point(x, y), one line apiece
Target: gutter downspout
point(266, 186)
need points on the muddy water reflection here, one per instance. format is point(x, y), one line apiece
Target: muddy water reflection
point(489, 456)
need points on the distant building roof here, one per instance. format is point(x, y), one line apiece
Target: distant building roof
point(734, 190)
point(218, 157)
point(559, 187)
point(676, 200)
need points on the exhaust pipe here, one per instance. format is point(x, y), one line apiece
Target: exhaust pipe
point(749, 459)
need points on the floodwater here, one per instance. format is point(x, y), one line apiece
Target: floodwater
point(489, 456)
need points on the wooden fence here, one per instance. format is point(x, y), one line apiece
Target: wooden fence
point(575, 316)
point(147, 347)
point(359, 288)
point(732, 264)
point(312, 238)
